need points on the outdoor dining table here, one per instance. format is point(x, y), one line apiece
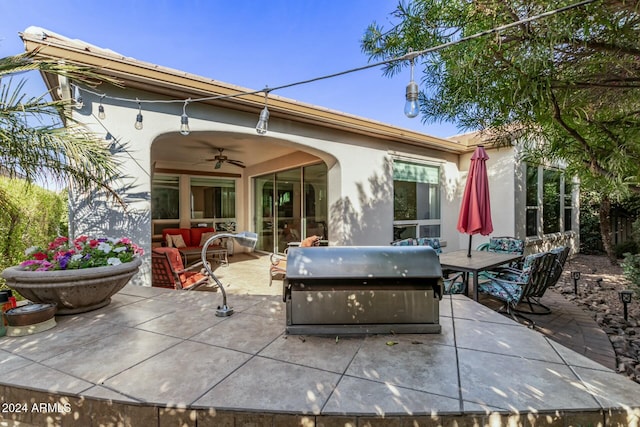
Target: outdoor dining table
point(477, 262)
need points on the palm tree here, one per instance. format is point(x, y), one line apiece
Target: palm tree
point(40, 141)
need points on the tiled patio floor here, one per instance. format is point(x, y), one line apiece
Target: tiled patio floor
point(161, 357)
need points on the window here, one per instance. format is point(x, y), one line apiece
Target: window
point(532, 201)
point(549, 201)
point(416, 200)
point(165, 191)
point(213, 200)
point(568, 204)
point(165, 202)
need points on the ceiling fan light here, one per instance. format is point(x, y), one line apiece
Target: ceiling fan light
point(218, 164)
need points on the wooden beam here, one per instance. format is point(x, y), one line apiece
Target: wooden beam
point(197, 172)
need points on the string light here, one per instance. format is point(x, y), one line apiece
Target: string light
point(184, 119)
point(139, 124)
point(263, 122)
point(411, 108)
point(411, 95)
point(77, 96)
point(101, 114)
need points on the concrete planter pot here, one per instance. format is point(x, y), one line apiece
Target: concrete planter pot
point(74, 291)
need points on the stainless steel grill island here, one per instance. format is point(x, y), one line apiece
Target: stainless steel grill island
point(362, 290)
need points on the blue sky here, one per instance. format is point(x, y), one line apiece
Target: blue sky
point(247, 43)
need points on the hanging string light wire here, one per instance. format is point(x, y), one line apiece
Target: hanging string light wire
point(410, 56)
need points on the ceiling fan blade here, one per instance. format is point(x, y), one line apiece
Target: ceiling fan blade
point(236, 163)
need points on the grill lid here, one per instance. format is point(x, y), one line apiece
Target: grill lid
point(363, 262)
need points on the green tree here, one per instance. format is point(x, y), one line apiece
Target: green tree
point(40, 141)
point(32, 216)
point(566, 86)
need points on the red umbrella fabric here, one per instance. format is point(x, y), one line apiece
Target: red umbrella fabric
point(475, 212)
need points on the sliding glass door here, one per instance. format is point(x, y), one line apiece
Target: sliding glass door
point(290, 205)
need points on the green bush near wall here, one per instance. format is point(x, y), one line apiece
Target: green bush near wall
point(631, 263)
point(33, 216)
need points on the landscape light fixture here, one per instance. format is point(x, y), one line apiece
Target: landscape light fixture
point(244, 238)
point(184, 120)
point(625, 298)
point(101, 114)
point(139, 124)
point(263, 121)
point(411, 108)
point(77, 96)
point(575, 275)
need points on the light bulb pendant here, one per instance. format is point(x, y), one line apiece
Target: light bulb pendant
point(101, 114)
point(139, 124)
point(411, 107)
point(263, 122)
point(77, 96)
point(184, 125)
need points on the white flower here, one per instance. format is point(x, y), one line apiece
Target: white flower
point(30, 250)
point(76, 257)
point(120, 249)
point(114, 261)
point(104, 247)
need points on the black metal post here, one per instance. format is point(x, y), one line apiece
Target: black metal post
point(625, 298)
point(575, 275)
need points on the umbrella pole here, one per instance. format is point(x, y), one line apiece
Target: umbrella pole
point(469, 251)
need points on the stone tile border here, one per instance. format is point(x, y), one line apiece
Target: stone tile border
point(26, 408)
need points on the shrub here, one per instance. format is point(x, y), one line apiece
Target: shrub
point(32, 217)
point(631, 268)
point(629, 246)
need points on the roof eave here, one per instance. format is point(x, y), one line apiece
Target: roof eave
point(173, 83)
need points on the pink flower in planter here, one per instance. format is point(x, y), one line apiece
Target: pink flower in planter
point(83, 252)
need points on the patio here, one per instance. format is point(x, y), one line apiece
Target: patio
point(161, 357)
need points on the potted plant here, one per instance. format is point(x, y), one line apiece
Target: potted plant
point(78, 275)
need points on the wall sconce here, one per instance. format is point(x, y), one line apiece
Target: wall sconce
point(575, 275)
point(625, 298)
point(244, 238)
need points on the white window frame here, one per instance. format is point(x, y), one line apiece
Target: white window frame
point(417, 223)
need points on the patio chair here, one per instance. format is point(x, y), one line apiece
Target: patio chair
point(502, 245)
point(278, 267)
point(513, 286)
point(454, 283)
point(533, 299)
point(167, 271)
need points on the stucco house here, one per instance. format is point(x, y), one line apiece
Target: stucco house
point(351, 180)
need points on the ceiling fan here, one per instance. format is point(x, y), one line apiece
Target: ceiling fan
point(221, 158)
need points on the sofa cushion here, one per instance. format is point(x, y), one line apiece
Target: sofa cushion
point(184, 232)
point(196, 235)
point(177, 240)
point(206, 236)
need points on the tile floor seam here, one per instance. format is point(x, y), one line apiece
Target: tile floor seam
point(63, 373)
point(516, 356)
point(135, 399)
point(139, 362)
point(63, 352)
point(343, 374)
point(575, 373)
point(251, 357)
point(386, 383)
point(455, 346)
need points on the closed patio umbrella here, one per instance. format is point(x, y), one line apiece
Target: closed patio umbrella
point(475, 211)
